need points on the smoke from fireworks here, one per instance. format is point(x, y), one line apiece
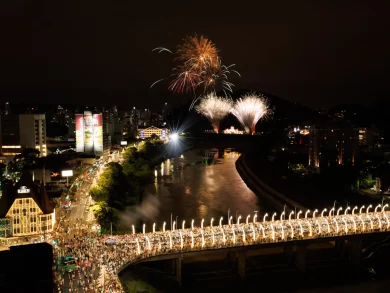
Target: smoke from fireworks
point(214, 109)
point(199, 67)
point(249, 110)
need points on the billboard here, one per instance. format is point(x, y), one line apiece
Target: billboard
point(79, 133)
point(67, 173)
point(88, 132)
point(98, 133)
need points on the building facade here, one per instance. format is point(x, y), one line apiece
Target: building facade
point(25, 209)
point(22, 131)
point(144, 133)
point(333, 143)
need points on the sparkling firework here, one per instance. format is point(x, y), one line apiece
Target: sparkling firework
point(214, 109)
point(199, 67)
point(249, 110)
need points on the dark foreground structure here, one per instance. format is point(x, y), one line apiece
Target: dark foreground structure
point(27, 268)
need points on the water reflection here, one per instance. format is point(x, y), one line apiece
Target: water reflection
point(199, 184)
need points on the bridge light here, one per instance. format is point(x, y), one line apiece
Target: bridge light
point(346, 211)
point(308, 211)
point(384, 207)
point(322, 213)
point(314, 213)
point(361, 208)
point(377, 207)
point(265, 216)
point(338, 211)
point(353, 211)
point(300, 212)
point(368, 208)
point(289, 217)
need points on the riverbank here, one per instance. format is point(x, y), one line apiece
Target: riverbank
point(264, 175)
point(261, 189)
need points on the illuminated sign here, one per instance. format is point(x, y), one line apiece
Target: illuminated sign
point(23, 189)
point(123, 142)
point(79, 133)
point(67, 173)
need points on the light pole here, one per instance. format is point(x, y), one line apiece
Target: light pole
point(308, 211)
point(265, 216)
point(228, 214)
point(171, 221)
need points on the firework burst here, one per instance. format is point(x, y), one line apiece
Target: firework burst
point(249, 110)
point(214, 109)
point(200, 67)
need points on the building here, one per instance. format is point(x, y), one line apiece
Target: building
point(148, 132)
point(22, 131)
point(332, 143)
point(25, 209)
point(92, 133)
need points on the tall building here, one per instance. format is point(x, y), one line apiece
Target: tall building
point(92, 133)
point(18, 132)
point(332, 143)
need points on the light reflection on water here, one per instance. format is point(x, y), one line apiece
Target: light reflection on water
point(193, 186)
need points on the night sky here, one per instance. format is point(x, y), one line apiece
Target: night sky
point(88, 51)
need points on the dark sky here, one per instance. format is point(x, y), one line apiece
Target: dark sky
point(89, 51)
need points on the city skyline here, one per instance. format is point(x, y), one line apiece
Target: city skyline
point(299, 53)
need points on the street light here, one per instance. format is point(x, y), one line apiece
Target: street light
point(368, 208)
point(289, 217)
point(281, 215)
point(238, 220)
point(192, 224)
point(384, 207)
point(230, 219)
point(376, 208)
point(164, 226)
point(308, 211)
point(330, 212)
point(201, 224)
point(300, 212)
point(174, 223)
point(322, 213)
point(361, 208)
point(314, 213)
point(338, 211)
point(183, 225)
point(346, 210)
point(220, 222)
point(247, 219)
point(133, 229)
point(211, 222)
point(143, 229)
point(353, 211)
point(265, 216)
point(154, 227)
point(273, 217)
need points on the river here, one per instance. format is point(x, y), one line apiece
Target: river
point(196, 186)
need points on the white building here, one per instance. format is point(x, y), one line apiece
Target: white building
point(19, 132)
point(148, 132)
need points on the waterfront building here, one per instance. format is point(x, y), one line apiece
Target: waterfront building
point(148, 132)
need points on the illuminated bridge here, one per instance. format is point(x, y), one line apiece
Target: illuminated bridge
point(349, 226)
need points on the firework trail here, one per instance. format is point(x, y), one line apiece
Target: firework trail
point(249, 110)
point(214, 109)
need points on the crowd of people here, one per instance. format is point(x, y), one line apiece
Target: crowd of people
point(115, 252)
